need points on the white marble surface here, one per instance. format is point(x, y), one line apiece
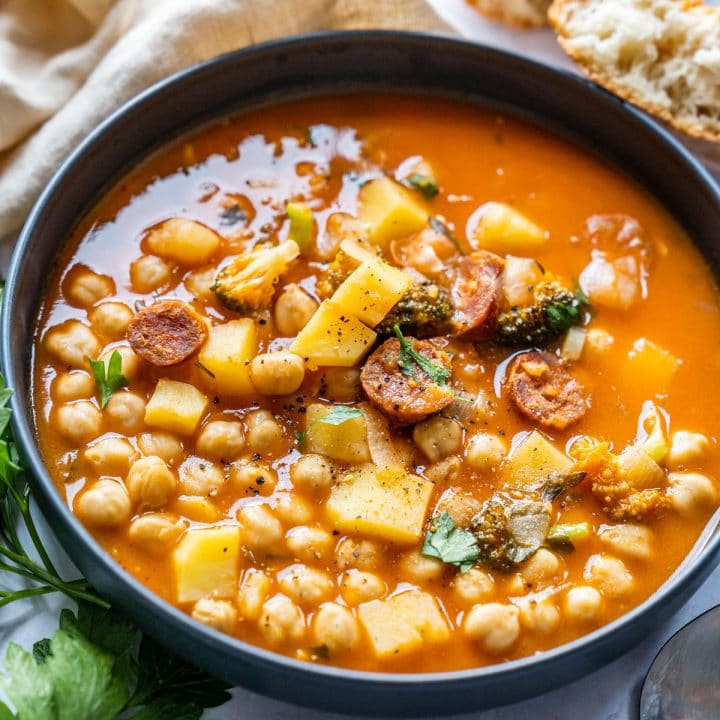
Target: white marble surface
point(610, 694)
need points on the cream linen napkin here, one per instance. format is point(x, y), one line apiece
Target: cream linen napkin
point(67, 64)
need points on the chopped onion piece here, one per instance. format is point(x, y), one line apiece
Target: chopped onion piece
point(519, 279)
point(573, 344)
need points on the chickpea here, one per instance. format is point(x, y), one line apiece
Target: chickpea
point(293, 509)
point(582, 603)
point(110, 456)
point(438, 437)
point(150, 482)
point(129, 361)
point(421, 569)
point(686, 448)
point(359, 586)
point(254, 588)
point(293, 310)
point(73, 386)
point(363, 554)
point(539, 616)
point(281, 621)
point(265, 435)
point(105, 505)
point(221, 440)
point(609, 575)
point(485, 451)
point(127, 411)
point(252, 478)
point(628, 539)
point(200, 284)
point(217, 614)
point(261, 530)
point(341, 384)
point(87, 287)
point(149, 273)
point(494, 625)
point(335, 628)
point(110, 319)
point(72, 343)
point(543, 566)
point(461, 508)
point(514, 585)
point(78, 422)
point(313, 472)
point(200, 477)
point(277, 373)
point(305, 585)
point(444, 472)
point(473, 586)
point(308, 543)
point(155, 532)
point(691, 493)
point(162, 444)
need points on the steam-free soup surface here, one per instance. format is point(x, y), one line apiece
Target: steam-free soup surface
point(389, 383)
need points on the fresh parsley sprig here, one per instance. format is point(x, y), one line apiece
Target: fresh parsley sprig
point(450, 544)
point(108, 379)
point(425, 184)
point(410, 361)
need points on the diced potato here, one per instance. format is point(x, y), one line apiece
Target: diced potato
point(333, 337)
point(187, 242)
point(197, 509)
point(649, 368)
point(371, 291)
point(205, 562)
point(533, 461)
point(389, 504)
point(346, 442)
point(502, 229)
point(639, 469)
point(403, 623)
point(175, 406)
point(227, 354)
point(390, 211)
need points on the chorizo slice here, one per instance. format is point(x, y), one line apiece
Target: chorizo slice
point(544, 391)
point(166, 332)
point(475, 292)
point(405, 398)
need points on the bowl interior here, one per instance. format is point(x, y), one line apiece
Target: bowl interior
point(322, 64)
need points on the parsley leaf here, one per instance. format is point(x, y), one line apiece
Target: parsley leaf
point(410, 361)
point(563, 315)
point(424, 184)
point(441, 227)
point(450, 544)
point(108, 383)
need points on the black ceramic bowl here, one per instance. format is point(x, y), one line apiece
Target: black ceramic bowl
point(342, 62)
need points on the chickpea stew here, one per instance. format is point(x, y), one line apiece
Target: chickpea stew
point(389, 383)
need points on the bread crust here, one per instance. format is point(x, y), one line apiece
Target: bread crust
point(558, 15)
point(525, 19)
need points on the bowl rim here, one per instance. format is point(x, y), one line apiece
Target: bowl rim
point(144, 600)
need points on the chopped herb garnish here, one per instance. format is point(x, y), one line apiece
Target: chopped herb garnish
point(440, 227)
point(110, 379)
point(206, 370)
point(424, 184)
point(450, 544)
point(562, 316)
point(410, 361)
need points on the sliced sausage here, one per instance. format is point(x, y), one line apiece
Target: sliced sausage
point(475, 291)
point(166, 332)
point(544, 391)
point(405, 399)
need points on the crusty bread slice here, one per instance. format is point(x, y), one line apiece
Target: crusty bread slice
point(520, 13)
point(662, 55)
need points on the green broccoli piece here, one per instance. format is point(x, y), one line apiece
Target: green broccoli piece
point(554, 311)
point(423, 311)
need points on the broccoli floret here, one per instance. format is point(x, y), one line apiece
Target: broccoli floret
point(621, 501)
point(247, 284)
point(423, 311)
point(554, 311)
point(510, 531)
